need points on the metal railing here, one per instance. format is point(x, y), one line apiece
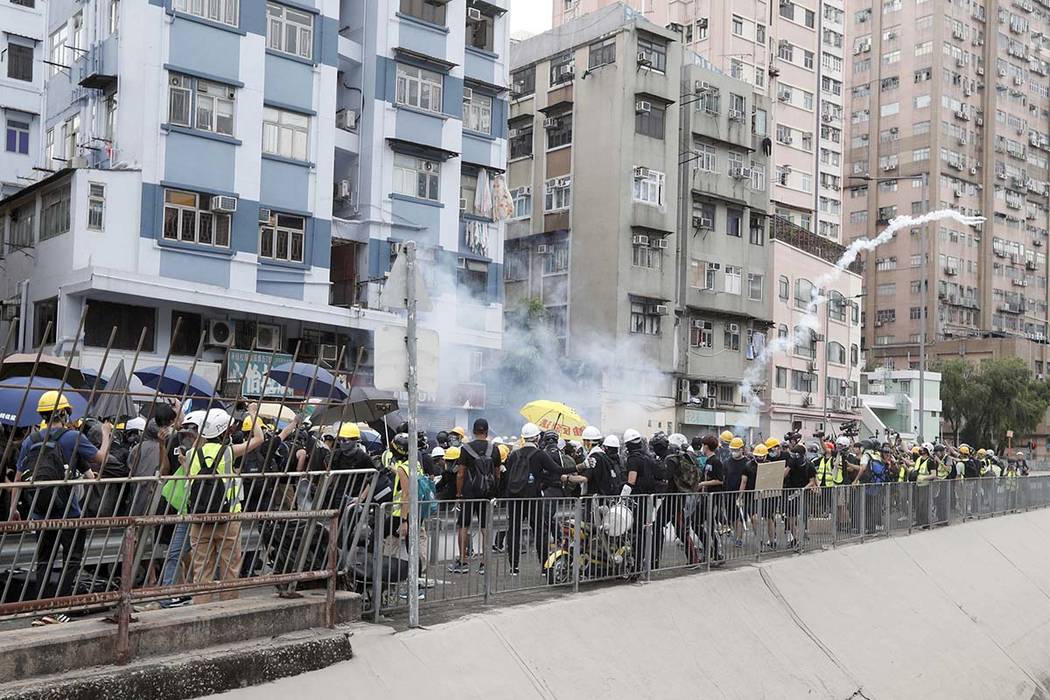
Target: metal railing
point(480, 549)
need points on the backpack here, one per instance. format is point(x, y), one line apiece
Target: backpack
point(48, 463)
point(879, 472)
point(427, 496)
point(209, 495)
point(663, 470)
point(686, 475)
point(519, 472)
point(481, 474)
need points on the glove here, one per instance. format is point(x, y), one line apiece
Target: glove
point(626, 490)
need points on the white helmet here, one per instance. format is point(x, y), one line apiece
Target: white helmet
point(216, 423)
point(989, 453)
point(677, 440)
point(195, 418)
point(530, 431)
point(631, 435)
point(437, 453)
point(617, 521)
point(842, 441)
point(330, 431)
point(928, 447)
point(591, 433)
point(138, 423)
point(612, 441)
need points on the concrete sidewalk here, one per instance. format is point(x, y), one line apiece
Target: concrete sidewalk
point(961, 612)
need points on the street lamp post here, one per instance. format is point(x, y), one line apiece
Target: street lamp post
point(923, 287)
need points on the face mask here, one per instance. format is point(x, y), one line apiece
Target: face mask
point(736, 454)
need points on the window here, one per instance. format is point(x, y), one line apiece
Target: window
point(49, 148)
point(17, 140)
point(222, 11)
point(655, 51)
point(738, 26)
point(481, 31)
point(418, 87)
point(72, 136)
point(521, 142)
point(706, 159)
point(433, 12)
point(523, 81)
point(54, 213)
point(702, 274)
point(754, 286)
point(103, 316)
point(285, 133)
point(522, 198)
point(781, 377)
point(282, 237)
point(602, 53)
point(733, 278)
point(561, 133)
point(200, 104)
point(472, 278)
point(562, 68)
point(650, 122)
point(515, 264)
point(646, 255)
point(114, 16)
point(836, 353)
point(854, 354)
point(21, 233)
point(807, 342)
point(45, 321)
point(477, 111)
point(803, 292)
point(731, 337)
point(19, 62)
point(734, 226)
point(188, 218)
point(759, 121)
point(649, 187)
point(557, 261)
point(468, 190)
point(837, 306)
point(702, 334)
point(644, 318)
point(802, 381)
point(57, 53)
point(190, 326)
point(417, 177)
point(783, 287)
point(757, 230)
point(289, 31)
point(96, 206)
point(557, 194)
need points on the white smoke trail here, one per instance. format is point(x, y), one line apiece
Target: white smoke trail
point(810, 322)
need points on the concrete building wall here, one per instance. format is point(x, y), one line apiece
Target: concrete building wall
point(22, 51)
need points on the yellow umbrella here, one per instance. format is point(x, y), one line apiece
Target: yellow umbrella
point(556, 416)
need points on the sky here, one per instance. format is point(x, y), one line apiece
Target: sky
point(530, 15)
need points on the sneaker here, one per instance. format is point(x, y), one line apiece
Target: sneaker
point(458, 568)
point(481, 570)
point(403, 595)
point(498, 548)
point(737, 542)
point(770, 544)
point(514, 571)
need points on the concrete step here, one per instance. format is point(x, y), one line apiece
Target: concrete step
point(41, 651)
point(192, 674)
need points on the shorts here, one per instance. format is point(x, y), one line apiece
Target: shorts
point(733, 509)
point(769, 506)
point(468, 510)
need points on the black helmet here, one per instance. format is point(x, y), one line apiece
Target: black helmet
point(399, 445)
point(659, 444)
point(442, 438)
point(421, 440)
point(549, 438)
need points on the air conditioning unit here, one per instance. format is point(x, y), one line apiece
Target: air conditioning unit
point(220, 334)
point(812, 367)
point(643, 59)
point(342, 189)
point(566, 70)
point(735, 115)
point(980, 70)
point(267, 336)
point(223, 204)
point(642, 173)
point(710, 402)
point(265, 215)
point(733, 327)
point(328, 354)
point(702, 86)
point(740, 173)
point(346, 120)
point(640, 239)
point(643, 107)
point(854, 402)
point(827, 118)
point(784, 96)
point(473, 14)
point(543, 249)
point(660, 243)
point(550, 123)
point(468, 93)
point(462, 204)
point(660, 309)
point(702, 222)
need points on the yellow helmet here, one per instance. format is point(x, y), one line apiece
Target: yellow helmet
point(771, 443)
point(459, 431)
point(726, 436)
point(980, 452)
point(964, 449)
point(915, 450)
point(504, 450)
point(349, 431)
point(51, 401)
point(249, 423)
point(452, 454)
point(760, 450)
point(736, 444)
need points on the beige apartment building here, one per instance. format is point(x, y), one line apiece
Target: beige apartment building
point(949, 107)
point(791, 52)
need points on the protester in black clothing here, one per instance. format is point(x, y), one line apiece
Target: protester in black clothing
point(799, 474)
point(739, 477)
point(712, 480)
point(480, 448)
point(641, 481)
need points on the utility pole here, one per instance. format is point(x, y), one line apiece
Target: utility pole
point(925, 293)
point(413, 444)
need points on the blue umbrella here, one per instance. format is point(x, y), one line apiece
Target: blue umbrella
point(13, 389)
point(175, 381)
point(304, 377)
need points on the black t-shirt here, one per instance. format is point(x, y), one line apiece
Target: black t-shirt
point(603, 478)
point(800, 471)
point(640, 462)
point(466, 461)
point(735, 470)
point(713, 471)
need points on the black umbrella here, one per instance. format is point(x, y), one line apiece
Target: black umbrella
point(114, 402)
point(21, 365)
point(364, 406)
